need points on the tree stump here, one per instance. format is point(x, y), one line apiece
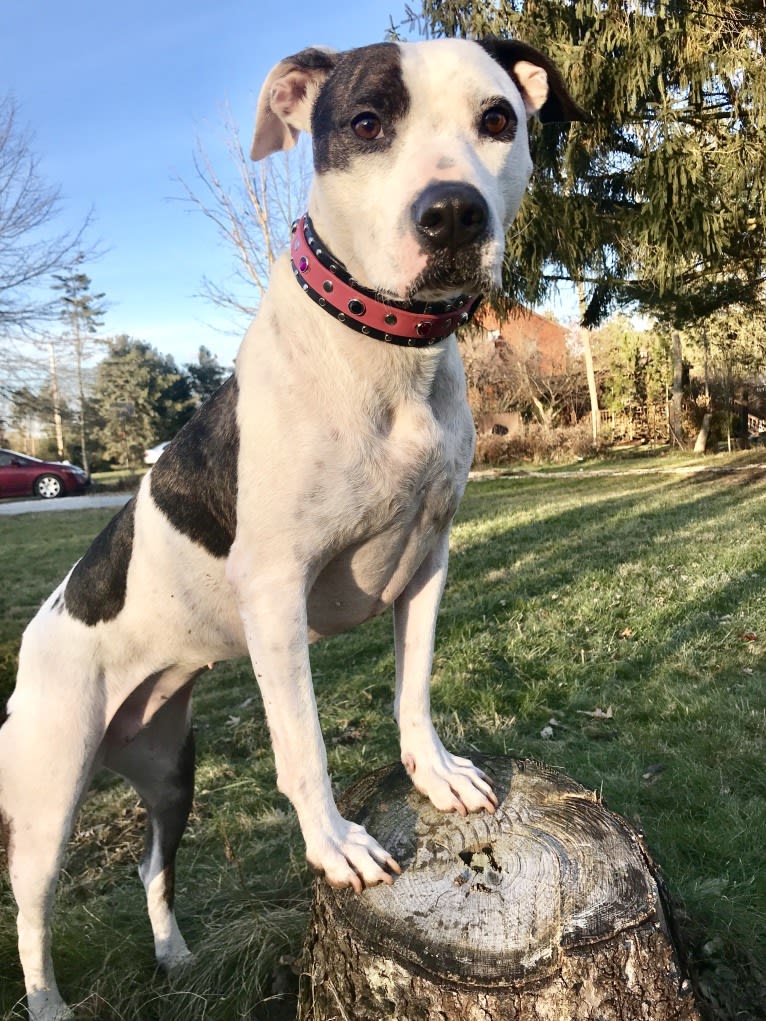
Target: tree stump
point(549, 910)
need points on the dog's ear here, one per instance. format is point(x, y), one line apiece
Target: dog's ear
point(287, 99)
point(537, 78)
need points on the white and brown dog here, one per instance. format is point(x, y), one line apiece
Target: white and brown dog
point(240, 541)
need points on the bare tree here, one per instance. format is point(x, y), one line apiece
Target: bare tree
point(252, 208)
point(30, 249)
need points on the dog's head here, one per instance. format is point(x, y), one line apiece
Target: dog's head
point(421, 154)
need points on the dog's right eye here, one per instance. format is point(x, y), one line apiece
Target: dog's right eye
point(367, 126)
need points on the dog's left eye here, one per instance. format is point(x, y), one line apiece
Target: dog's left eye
point(495, 120)
point(367, 126)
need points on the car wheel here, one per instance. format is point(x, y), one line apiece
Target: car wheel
point(48, 487)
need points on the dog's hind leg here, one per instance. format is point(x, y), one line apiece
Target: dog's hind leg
point(46, 763)
point(159, 763)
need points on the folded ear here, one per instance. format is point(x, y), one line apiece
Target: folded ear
point(287, 99)
point(537, 78)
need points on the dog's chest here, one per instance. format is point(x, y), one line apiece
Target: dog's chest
point(400, 494)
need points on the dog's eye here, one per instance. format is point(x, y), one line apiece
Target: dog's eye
point(367, 126)
point(495, 121)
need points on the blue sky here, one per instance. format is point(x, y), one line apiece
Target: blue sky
point(116, 96)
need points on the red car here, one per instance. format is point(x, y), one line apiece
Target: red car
point(21, 475)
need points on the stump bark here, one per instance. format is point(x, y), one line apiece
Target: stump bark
point(549, 910)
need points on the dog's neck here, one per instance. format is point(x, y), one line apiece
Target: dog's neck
point(327, 282)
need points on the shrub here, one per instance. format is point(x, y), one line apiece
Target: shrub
point(539, 445)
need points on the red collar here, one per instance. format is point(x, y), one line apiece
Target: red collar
point(417, 324)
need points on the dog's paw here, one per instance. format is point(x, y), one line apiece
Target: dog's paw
point(347, 855)
point(176, 960)
point(47, 1006)
point(451, 783)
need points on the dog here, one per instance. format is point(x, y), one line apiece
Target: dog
point(239, 541)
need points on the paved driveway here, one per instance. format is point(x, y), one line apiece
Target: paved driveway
point(66, 503)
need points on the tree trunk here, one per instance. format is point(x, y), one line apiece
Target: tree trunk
point(677, 438)
point(551, 909)
point(81, 395)
point(587, 351)
point(56, 398)
point(701, 442)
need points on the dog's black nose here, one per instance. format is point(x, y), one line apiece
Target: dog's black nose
point(450, 215)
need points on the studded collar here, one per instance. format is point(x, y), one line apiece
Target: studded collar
point(327, 282)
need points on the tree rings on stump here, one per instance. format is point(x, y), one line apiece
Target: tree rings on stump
point(548, 910)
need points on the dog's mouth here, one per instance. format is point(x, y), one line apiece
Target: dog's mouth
point(449, 276)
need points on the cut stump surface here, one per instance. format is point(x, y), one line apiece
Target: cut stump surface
point(548, 910)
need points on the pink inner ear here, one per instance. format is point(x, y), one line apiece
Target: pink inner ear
point(281, 99)
point(533, 83)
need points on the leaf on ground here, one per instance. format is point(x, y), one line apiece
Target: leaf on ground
point(598, 714)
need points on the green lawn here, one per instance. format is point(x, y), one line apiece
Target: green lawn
point(643, 593)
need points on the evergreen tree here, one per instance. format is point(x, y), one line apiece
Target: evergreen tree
point(205, 375)
point(661, 198)
point(82, 312)
point(142, 398)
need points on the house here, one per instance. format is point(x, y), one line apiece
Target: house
point(532, 337)
point(500, 359)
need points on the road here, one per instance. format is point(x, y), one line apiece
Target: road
point(66, 503)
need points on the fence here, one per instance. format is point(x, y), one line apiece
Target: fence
point(644, 422)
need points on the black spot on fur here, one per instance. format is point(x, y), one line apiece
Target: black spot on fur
point(58, 603)
point(96, 588)
point(194, 483)
point(368, 79)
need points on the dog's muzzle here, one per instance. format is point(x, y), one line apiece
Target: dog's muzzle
point(451, 221)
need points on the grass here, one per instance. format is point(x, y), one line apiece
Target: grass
point(643, 592)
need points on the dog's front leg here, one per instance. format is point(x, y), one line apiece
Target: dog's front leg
point(273, 610)
point(452, 784)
